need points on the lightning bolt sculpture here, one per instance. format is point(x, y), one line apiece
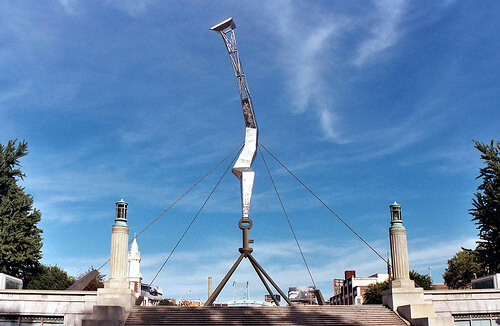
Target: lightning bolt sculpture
point(242, 169)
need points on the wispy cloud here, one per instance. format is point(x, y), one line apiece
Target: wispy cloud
point(75, 266)
point(131, 7)
point(456, 158)
point(189, 270)
point(424, 253)
point(306, 48)
point(69, 6)
point(308, 55)
point(440, 249)
point(307, 84)
point(385, 32)
point(328, 122)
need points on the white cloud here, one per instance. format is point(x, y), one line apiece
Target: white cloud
point(439, 252)
point(76, 266)
point(385, 32)
point(308, 87)
point(305, 58)
point(132, 7)
point(281, 259)
point(69, 6)
point(425, 253)
point(328, 122)
point(456, 158)
point(190, 270)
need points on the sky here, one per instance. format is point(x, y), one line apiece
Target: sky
point(367, 102)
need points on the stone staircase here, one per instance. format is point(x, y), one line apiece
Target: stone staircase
point(295, 315)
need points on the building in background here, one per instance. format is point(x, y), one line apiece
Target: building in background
point(302, 294)
point(337, 286)
point(152, 294)
point(351, 292)
point(487, 282)
point(268, 298)
point(189, 303)
point(10, 282)
point(134, 266)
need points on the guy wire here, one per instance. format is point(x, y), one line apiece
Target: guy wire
point(240, 146)
point(324, 204)
point(192, 221)
point(286, 215)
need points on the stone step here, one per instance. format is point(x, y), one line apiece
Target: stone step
point(296, 315)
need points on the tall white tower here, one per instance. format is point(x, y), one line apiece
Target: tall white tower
point(134, 265)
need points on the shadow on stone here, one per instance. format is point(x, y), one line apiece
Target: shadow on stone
point(296, 315)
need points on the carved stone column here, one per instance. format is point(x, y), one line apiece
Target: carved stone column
point(402, 295)
point(119, 248)
point(116, 291)
point(399, 249)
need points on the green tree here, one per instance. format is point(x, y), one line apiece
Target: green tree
point(166, 302)
point(51, 278)
point(96, 283)
point(421, 280)
point(373, 293)
point(20, 238)
point(486, 211)
point(462, 268)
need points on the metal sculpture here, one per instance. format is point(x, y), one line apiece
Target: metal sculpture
point(243, 166)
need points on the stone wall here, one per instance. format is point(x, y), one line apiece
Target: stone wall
point(469, 301)
point(72, 305)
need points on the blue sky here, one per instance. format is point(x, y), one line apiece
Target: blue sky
point(368, 102)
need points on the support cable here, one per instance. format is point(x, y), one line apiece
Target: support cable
point(324, 204)
point(182, 196)
point(195, 217)
point(286, 215)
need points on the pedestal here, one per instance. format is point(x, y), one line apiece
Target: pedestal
point(123, 297)
point(397, 296)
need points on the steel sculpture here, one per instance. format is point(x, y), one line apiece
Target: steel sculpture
point(243, 166)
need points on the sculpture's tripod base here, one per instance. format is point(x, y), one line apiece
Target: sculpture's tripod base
point(246, 253)
point(245, 224)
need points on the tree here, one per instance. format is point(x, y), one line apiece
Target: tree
point(51, 278)
point(462, 268)
point(373, 293)
point(96, 283)
point(421, 281)
point(166, 302)
point(20, 239)
point(486, 211)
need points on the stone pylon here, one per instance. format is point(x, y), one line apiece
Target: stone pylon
point(119, 248)
point(399, 250)
point(116, 291)
point(402, 295)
